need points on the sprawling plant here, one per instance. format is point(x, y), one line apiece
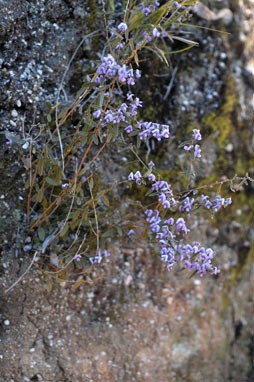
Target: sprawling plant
point(76, 216)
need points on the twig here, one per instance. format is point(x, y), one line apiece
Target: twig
point(170, 83)
point(21, 277)
point(96, 219)
point(61, 88)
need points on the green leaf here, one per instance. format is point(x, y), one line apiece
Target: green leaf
point(78, 283)
point(180, 50)
point(106, 201)
point(41, 233)
point(48, 105)
point(86, 85)
point(148, 172)
point(136, 58)
point(95, 139)
point(109, 233)
point(52, 182)
point(131, 44)
point(41, 165)
point(64, 230)
point(39, 195)
point(116, 131)
point(91, 183)
point(101, 99)
point(109, 137)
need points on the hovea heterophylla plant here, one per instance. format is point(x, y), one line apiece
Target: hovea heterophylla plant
point(68, 204)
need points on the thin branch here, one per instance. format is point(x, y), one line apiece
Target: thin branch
point(23, 275)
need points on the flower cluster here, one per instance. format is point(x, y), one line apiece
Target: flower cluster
point(197, 150)
point(109, 68)
point(137, 177)
point(168, 230)
point(186, 204)
point(217, 203)
point(122, 114)
point(152, 7)
point(193, 256)
point(196, 258)
point(98, 258)
point(154, 130)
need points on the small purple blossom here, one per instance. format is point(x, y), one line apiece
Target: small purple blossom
point(156, 33)
point(151, 164)
point(138, 177)
point(97, 113)
point(181, 226)
point(145, 10)
point(170, 221)
point(186, 204)
point(177, 5)
point(155, 130)
point(197, 151)
point(131, 176)
point(131, 232)
point(120, 46)
point(147, 36)
point(196, 135)
point(128, 129)
point(129, 96)
point(151, 177)
point(122, 27)
point(188, 148)
point(77, 257)
point(96, 259)
point(138, 73)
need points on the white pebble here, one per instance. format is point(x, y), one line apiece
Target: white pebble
point(14, 113)
point(6, 322)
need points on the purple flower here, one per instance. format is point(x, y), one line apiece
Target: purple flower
point(129, 96)
point(196, 134)
point(181, 226)
point(131, 176)
point(145, 10)
point(96, 259)
point(166, 204)
point(106, 253)
point(131, 232)
point(97, 113)
point(120, 46)
point(151, 164)
point(147, 36)
point(151, 177)
point(77, 257)
point(156, 33)
point(128, 129)
point(122, 27)
point(219, 202)
point(138, 177)
point(149, 212)
point(197, 151)
point(170, 221)
point(186, 204)
point(177, 5)
point(188, 148)
point(138, 74)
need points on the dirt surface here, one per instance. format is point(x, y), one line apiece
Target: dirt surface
point(131, 320)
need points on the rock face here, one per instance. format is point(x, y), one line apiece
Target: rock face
point(130, 320)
